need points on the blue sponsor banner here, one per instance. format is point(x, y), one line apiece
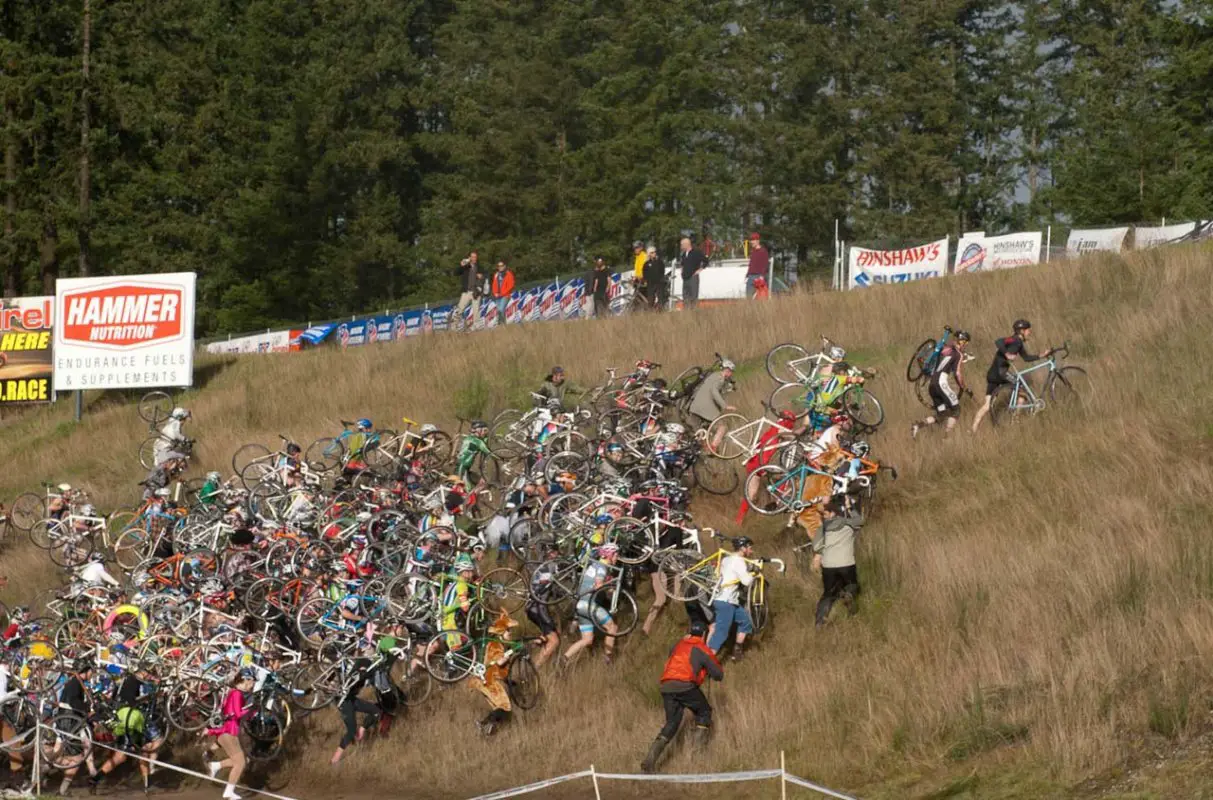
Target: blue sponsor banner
point(616, 299)
point(513, 308)
point(440, 318)
point(530, 305)
point(570, 298)
point(412, 322)
point(317, 333)
point(549, 302)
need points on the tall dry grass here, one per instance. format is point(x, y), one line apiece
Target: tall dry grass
point(1036, 598)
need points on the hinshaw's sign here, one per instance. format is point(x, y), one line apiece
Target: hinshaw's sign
point(122, 332)
point(874, 267)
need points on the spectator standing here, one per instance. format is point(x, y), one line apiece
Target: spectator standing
point(501, 287)
point(658, 291)
point(598, 283)
point(760, 264)
point(639, 257)
point(470, 285)
point(692, 262)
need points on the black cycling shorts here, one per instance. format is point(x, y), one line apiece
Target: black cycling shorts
point(945, 398)
point(993, 382)
point(542, 617)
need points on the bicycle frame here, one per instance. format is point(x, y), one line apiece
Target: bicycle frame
point(1034, 403)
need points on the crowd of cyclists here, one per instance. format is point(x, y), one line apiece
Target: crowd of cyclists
point(371, 568)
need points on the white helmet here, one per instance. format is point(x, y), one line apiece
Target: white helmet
point(213, 476)
point(726, 364)
point(88, 510)
point(428, 428)
point(64, 487)
point(363, 516)
point(210, 586)
point(675, 428)
point(163, 492)
point(837, 353)
point(180, 413)
point(96, 556)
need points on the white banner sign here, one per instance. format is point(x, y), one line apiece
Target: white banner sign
point(874, 267)
point(981, 253)
point(1094, 241)
point(273, 342)
point(1152, 237)
point(123, 332)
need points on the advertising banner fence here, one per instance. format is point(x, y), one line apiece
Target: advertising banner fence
point(124, 332)
point(980, 253)
point(269, 342)
point(1106, 240)
point(1144, 238)
point(875, 267)
point(26, 365)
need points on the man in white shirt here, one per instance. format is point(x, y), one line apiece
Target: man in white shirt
point(94, 572)
point(728, 605)
point(171, 436)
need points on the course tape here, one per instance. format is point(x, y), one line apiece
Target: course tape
point(165, 764)
point(823, 790)
point(533, 787)
point(712, 777)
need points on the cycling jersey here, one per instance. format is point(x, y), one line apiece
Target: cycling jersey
point(588, 611)
point(453, 598)
point(1004, 351)
point(949, 362)
point(210, 494)
point(472, 446)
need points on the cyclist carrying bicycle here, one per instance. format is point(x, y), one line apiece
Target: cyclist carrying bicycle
point(727, 604)
point(172, 437)
point(473, 446)
point(493, 685)
point(538, 609)
point(1005, 351)
point(947, 384)
point(597, 575)
point(457, 596)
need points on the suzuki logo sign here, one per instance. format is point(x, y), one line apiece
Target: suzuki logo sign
point(122, 316)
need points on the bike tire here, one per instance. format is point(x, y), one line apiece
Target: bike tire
point(1070, 388)
point(436, 449)
point(247, 454)
point(132, 548)
point(917, 366)
point(308, 621)
point(922, 390)
point(789, 399)
point(687, 381)
point(325, 454)
point(718, 442)
point(46, 533)
point(155, 407)
point(414, 685)
point(765, 488)
point(26, 510)
point(625, 615)
point(779, 363)
point(450, 656)
point(1000, 405)
point(864, 408)
point(760, 616)
point(715, 476)
point(504, 589)
point(147, 451)
point(522, 683)
point(680, 582)
point(634, 538)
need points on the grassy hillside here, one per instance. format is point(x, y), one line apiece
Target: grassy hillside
point(1036, 610)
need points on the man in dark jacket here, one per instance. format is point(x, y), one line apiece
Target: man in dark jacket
point(654, 278)
point(692, 262)
point(834, 555)
point(597, 284)
point(690, 662)
point(470, 285)
point(760, 264)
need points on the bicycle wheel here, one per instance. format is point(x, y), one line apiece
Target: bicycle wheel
point(435, 449)
point(719, 442)
point(686, 382)
point(255, 472)
point(132, 548)
point(264, 729)
point(1000, 405)
point(682, 579)
point(72, 550)
point(623, 614)
point(47, 533)
point(522, 683)
point(1070, 388)
point(67, 740)
point(26, 510)
point(864, 408)
point(324, 455)
point(634, 537)
point(247, 454)
point(20, 714)
point(504, 589)
point(192, 704)
point(917, 365)
point(922, 390)
point(315, 621)
point(788, 363)
point(450, 656)
point(567, 461)
point(154, 407)
point(714, 475)
point(147, 451)
point(503, 433)
point(413, 682)
point(769, 491)
point(197, 566)
point(760, 615)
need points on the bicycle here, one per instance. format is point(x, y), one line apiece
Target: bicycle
point(432, 449)
point(692, 577)
point(790, 363)
point(1066, 386)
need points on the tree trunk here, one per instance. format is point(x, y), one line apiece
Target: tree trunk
point(48, 255)
point(83, 229)
point(12, 270)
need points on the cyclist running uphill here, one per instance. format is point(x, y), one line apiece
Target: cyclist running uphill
point(946, 386)
point(1005, 351)
point(596, 576)
point(355, 443)
point(473, 447)
point(728, 606)
point(556, 387)
point(496, 668)
point(826, 390)
point(690, 662)
point(708, 402)
point(172, 437)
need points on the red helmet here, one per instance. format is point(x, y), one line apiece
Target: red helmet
point(838, 419)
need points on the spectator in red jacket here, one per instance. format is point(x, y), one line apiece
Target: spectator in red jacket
point(760, 264)
point(502, 286)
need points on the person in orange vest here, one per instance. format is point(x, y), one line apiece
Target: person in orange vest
point(502, 286)
point(690, 662)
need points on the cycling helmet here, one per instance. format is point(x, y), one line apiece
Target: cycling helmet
point(365, 424)
point(836, 353)
point(554, 404)
point(164, 492)
point(726, 364)
point(614, 447)
point(19, 613)
point(608, 548)
point(213, 476)
point(479, 425)
point(88, 510)
point(96, 557)
point(180, 413)
point(64, 488)
point(675, 428)
point(429, 537)
point(247, 674)
point(742, 541)
point(464, 563)
point(428, 428)
point(698, 628)
point(963, 336)
point(209, 587)
point(1021, 325)
point(478, 546)
point(83, 664)
point(637, 245)
point(861, 448)
point(558, 370)
point(293, 449)
point(602, 519)
point(363, 516)
point(838, 419)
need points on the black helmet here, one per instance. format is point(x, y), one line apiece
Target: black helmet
point(962, 336)
point(479, 424)
point(637, 244)
point(293, 449)
point(698, 627)
point(1021, 324)
point(742, 541)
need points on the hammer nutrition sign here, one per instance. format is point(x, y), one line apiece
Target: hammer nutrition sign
point(25, 350)
point(124, 332)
